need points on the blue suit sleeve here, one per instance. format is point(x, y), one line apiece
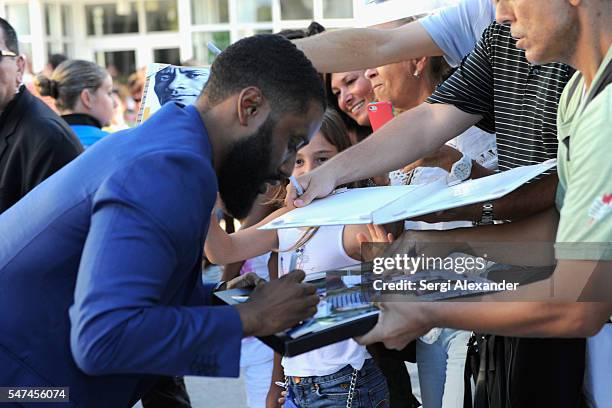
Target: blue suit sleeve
point(145, 221)
point(202, 294)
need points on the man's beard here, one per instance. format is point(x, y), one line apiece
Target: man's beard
point(245, 170)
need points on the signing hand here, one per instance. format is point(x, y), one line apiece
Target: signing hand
point(278, 305)
point(318, 183)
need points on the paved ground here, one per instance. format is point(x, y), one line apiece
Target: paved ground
point(215, 392)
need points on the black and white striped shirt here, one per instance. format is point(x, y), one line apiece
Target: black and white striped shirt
point(518, 101)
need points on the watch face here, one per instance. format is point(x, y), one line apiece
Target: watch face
point(461, 170)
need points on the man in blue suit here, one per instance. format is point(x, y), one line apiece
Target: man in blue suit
point(100, 280)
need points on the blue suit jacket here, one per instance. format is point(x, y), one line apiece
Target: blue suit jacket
point(100, 277)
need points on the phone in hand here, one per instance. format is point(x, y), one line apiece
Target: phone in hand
point(379, 114)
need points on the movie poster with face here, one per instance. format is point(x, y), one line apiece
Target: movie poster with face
point(373, 12)
point(170, 83)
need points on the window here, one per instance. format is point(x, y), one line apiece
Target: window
point(25, 48)
point(200, 41)
point(162, 15)
point(68, 50)
point(249, 32)
point(254, 11)
point(19, 17)
point(67, 23)
point(167, 56)
point(120, 64)
point(118, 18)
point(337, 9)
point(209, 11)
point(296, 9)
point(49, 11)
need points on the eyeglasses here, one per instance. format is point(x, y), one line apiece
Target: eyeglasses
point(6, 53)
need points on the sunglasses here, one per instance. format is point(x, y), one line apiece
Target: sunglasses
point(6, 53)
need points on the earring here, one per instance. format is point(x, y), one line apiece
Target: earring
point(416, 73)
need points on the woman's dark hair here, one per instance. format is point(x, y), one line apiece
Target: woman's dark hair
point(296, 34)
point(334, 130)
point(68, 81)
point(438, 70)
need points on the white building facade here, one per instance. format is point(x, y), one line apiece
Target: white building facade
point(132, 33)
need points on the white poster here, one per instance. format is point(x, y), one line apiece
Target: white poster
point(170, 83)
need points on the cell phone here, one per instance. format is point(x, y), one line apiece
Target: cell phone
point(379, 114)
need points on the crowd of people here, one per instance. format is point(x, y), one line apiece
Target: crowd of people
point(104, 224)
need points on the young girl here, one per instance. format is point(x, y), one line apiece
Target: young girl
point(335, 374)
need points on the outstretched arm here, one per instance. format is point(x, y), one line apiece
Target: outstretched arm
point(223, 248)
point(564, 305)
point(410, 136)
point(401, 322)
point(359, 48)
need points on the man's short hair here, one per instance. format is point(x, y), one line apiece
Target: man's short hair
point(10, 36)
point(287, 79)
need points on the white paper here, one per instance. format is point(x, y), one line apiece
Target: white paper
point(469, 192)
point(381, 205)
point(354, 206)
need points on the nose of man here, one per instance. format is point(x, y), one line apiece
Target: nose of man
point(503, 13)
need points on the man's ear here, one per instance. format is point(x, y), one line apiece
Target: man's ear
point(21, 66)
point(250, 105)
point(85, 98)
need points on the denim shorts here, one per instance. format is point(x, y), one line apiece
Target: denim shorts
point(331, 391)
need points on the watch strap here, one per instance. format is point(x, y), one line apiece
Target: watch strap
point(487, 214)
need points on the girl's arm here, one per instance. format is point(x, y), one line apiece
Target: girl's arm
point(261, 209)
point(223, 248)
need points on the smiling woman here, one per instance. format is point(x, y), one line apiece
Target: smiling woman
point(353, 92)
